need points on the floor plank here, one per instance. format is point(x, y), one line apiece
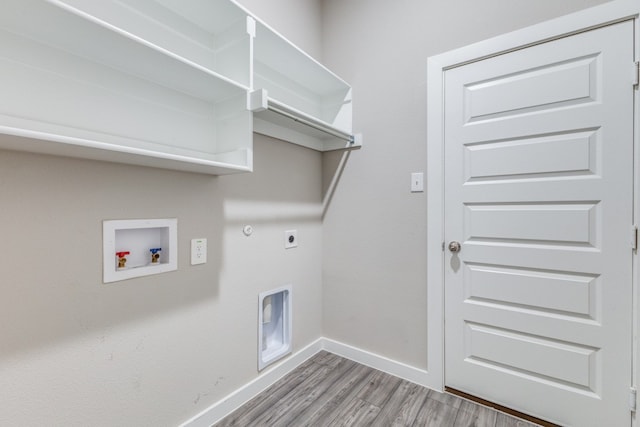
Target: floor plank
point(358, 413)
point(379, 389)
point(389, 411)
point(295, 402)
point(327, 359)
point(331, 391)
point(271, 398)
point(413, 403)
point(473, 415)
point(505, 420)
point(436, 413)
point(446, 398)
point(326, 416)
point(323, 410)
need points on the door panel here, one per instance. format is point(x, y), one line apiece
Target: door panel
point(557, 223)
point(510, 94)
point(538, 190)
point(554, 292)
point(568, 154)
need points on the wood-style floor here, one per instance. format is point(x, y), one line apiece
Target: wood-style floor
point(328, 390)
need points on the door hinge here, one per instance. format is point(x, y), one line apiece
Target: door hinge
point(633, 394)
point(634, 237)
point(636, 73)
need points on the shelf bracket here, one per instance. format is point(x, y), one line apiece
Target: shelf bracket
point(257, 100)
point(251, 26)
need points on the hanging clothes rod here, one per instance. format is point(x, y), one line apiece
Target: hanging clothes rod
point(318, 126)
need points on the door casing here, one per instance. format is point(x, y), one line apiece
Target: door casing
point(608, 13)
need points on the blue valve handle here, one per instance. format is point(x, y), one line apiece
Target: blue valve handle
point(155, 250)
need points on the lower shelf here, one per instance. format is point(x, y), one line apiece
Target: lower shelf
point(277, 120)
point(21, 139)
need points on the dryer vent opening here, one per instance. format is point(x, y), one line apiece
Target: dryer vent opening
point(274, 325)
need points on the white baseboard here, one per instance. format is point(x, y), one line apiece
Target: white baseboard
point(226, 406)
point(381, 363)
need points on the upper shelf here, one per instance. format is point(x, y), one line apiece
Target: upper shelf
point(208, 34)
point(161, 83)
point(76, 85)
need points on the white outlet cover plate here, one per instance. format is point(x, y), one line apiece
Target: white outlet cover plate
point(198, 251)
point(288, 242)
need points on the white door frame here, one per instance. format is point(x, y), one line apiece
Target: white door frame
point(595, 17)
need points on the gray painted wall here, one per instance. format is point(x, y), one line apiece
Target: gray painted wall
point(154, 350)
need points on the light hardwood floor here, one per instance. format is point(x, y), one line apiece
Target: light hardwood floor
point(328, 390)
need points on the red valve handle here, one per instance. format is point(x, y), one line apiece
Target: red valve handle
point(122, 254)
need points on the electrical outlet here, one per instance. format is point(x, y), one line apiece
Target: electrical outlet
point(290, 239)
point(198, 251)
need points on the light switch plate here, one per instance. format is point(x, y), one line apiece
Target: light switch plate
point(198, 251)
point(417, 182)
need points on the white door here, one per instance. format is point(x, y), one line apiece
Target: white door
point(538, 192)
